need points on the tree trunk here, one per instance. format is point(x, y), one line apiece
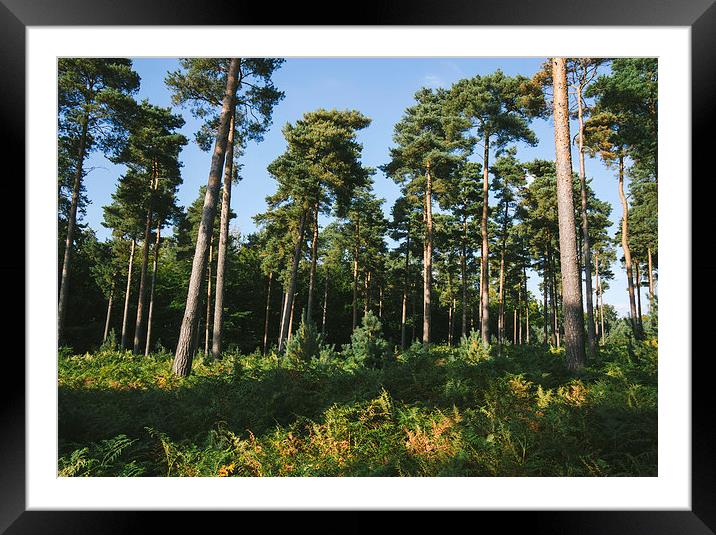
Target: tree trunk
point(651, 281)
point(218, 326)
point(554, 318)
point(126, 295)
point(637, 279)
point(627, 251)
point(571, 279)
point(366, 292)
point(463, 277)
point(587, 254)
point(355, 275)
point(71, 223)
point(450, 322)
point(109, 311)
point(428, 260)
point(141, 299)
point(600, 334)
point(479, 304)
point(325, 305)
point(501, 303)
point(555, 304)
point(183, 357)
point(412, 311)
point(290, 321)
point(601, 308)
point(406, 282)
point(380, 301)
point(514, 326)
point(527, 306)
point(450, 307)
point(314, 258)
point(284, 299)
point(208, 300)
point(519, 314)
point(545, 307)
point(155, 264)
point(268, 310)
point(484, 275)
point(501, 293)
point(288, 306)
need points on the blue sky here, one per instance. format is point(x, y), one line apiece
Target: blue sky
point(380, 88)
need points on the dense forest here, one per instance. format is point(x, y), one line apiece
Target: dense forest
point(344, 336)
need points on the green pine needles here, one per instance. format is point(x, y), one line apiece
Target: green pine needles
point(368, 347)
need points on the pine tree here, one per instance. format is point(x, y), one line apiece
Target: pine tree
point(498, 108)
point(571, 285)
point(183, 356)
point(94, 98)
point(427, 155)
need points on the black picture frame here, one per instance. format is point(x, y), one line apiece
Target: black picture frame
point(700, 15)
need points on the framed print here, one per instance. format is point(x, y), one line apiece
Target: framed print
point(651, 486)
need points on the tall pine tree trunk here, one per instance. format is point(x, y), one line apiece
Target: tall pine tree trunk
point(288, 306)
point(554, 319)
point(366, 290)
point(406, 282)
point(314, 259)
point(545, 306)
point(428, 260)
point(412, 312)
point(596, 281)
point(484, 275)
point(325, 304)
point(284, 299)
point(571, 280)
point(601, 308)
point(218, 326)
point(355, 275)
point(183, 357)
point(627, 251)
point(651, 280)
point(142, 298)
point(290, 321)
point(207, 324)
point(501, 293)
point(109, 311)
point(71, 223)
point(126, 295)
point(268, 310)
point(155, 264)
point(479, 303)
point(527, 305)
point(519, 314)
point(450, 321)
point(591, 337)
point(463, 278)
point(380, 301)
point(637, 280)
point(450, 308)
point(555, 304)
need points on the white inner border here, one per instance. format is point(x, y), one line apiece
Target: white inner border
point(670, 490)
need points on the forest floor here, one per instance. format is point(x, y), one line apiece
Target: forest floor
point(509, 411)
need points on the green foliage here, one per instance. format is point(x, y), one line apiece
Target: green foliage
point(433, 412)
point(368, 347)
point(305, 343)
point(472, 349)
point(107, 458)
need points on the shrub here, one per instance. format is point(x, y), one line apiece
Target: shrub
point(472, 349)
point(368, 347)
point(305, 343)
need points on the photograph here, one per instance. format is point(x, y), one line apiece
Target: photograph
point(357, 266)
